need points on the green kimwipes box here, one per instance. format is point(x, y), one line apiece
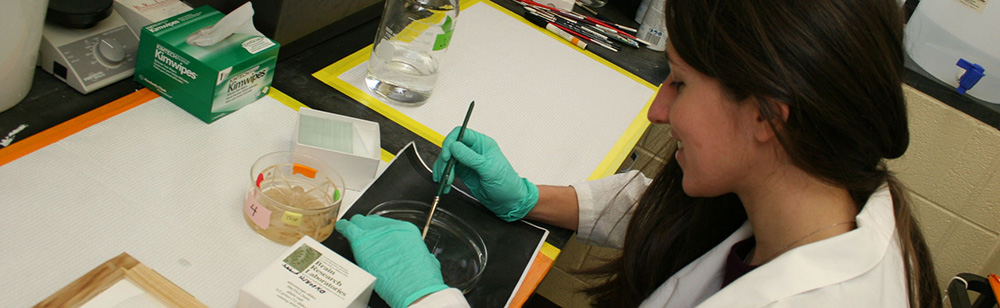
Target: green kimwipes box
point(207, 81)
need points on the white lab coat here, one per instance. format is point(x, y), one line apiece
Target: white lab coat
point(860, 268)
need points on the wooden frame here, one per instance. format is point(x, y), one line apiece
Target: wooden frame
point(85, 288)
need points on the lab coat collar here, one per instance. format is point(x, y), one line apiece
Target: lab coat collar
point(818, 264)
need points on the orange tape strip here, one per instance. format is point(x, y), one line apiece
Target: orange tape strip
point(538, 269)
point(74, 125)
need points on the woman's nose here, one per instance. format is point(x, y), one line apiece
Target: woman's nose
point(659, 110)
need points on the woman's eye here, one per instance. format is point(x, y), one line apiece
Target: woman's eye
point(676, 84)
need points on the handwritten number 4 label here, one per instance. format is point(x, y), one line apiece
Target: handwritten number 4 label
point(260, 215)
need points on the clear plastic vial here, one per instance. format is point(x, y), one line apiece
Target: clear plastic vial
point(653, 28)
point(412, 38)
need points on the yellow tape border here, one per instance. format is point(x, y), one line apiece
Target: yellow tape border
point(608, 165)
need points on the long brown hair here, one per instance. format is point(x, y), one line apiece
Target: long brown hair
point(838, 64)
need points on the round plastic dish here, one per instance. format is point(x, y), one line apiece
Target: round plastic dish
point(456, 245)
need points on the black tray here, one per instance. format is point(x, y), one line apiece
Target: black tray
point(510, 246)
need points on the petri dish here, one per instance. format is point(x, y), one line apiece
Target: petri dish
point(456, 245)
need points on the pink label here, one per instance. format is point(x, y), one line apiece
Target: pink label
point(257, 213)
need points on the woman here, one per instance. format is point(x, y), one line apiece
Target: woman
point(784, 112)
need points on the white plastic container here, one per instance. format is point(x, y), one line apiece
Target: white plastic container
point(350, 145)
point(940, 32)
point(21, 30)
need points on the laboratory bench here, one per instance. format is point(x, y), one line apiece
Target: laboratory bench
point(51, 102)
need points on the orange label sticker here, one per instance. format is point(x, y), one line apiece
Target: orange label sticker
point(304, 170)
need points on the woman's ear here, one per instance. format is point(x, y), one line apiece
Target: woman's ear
point(771, 115)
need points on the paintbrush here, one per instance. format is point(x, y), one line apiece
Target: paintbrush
point(447, 174)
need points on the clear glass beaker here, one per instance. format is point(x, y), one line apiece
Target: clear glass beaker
point(292, 195)
point(412, 38)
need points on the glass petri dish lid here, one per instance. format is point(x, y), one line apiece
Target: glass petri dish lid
point(456, 245)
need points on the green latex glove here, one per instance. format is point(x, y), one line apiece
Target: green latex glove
point(487, 173)
point(393, 252)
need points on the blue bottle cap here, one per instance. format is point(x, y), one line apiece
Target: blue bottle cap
point(973, 73)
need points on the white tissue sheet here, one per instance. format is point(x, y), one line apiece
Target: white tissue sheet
point(154, 182)
point(239, 20)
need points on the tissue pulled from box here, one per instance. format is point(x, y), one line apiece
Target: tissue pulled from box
point(239, 20)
